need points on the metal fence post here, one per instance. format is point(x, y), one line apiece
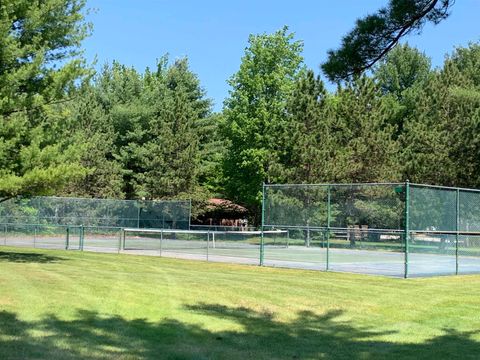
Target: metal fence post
point(119, 241)
point(138, 213)
point(457, 228)
point(329, 216)
point(407, 225)
point(161, 241)
point(208, 241)
point(5, 233)
point(67, 238)
point(190, 214)
point(308, 234)
point(81, 237)
point(262, 240)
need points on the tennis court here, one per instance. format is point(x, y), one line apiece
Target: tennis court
point(390, 229)
point(243, 248)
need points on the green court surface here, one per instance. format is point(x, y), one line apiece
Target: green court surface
point(365, 259)
point(58, 304)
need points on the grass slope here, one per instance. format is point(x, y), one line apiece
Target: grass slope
point(69, 305)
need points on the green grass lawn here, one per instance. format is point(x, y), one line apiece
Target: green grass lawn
point(69, 305)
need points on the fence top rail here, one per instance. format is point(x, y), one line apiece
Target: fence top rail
point(333, 228)
point(444, 187)
point(447, 232)
point(338, 184)
point(101, 199)
point(64, 226)
point(375, 184)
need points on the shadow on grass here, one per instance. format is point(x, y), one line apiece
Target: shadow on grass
point(25, 257)
point(308, 336)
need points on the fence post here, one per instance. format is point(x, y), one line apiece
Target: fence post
point(67, 238)
point(81, 237)
point(208, 241)
point(5, 233)
point(190, 214)
point(34, 236)
point(262, 240)
point(329, 215)
point(138, 213)
point(161, 241)
point(119, 241)
point(407, 225)
point(457, 228)
point(308, 234)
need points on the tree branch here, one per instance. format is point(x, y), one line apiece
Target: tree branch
point(397, 38)
point(54, 102)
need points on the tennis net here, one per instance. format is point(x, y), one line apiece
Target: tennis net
point(192, 240)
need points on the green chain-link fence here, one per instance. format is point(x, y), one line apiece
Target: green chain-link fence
point(174, 214)
point(392, 229)
point(395, 229)
point(81, 223)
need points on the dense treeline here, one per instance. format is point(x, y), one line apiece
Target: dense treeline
point(121, 133)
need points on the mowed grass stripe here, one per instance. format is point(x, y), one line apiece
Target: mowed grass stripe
point(68, 305)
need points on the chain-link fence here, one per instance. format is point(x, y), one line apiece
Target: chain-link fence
point(174, 214)
point(394, 229)
point(84, 224)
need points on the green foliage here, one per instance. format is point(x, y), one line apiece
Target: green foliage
point(255, 114)
point(126, 134)
point(37, 36)
point(440, 140)
point(145, 134)
point(376, 34)
point(312, 151)
point(402, 69)
point(366, 138)
point(212, 147)
point(39, 64)
point(401, 75)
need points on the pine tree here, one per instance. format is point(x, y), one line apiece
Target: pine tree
point(312, 149)
point(39, 67)
point(366, 136)
point(376, 34)
point(91, 132)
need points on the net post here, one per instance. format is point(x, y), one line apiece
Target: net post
point(407, 225)
point(262, 240)
point(457, 228)
point(329, 216)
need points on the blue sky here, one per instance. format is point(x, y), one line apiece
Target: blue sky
point(213, 34)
